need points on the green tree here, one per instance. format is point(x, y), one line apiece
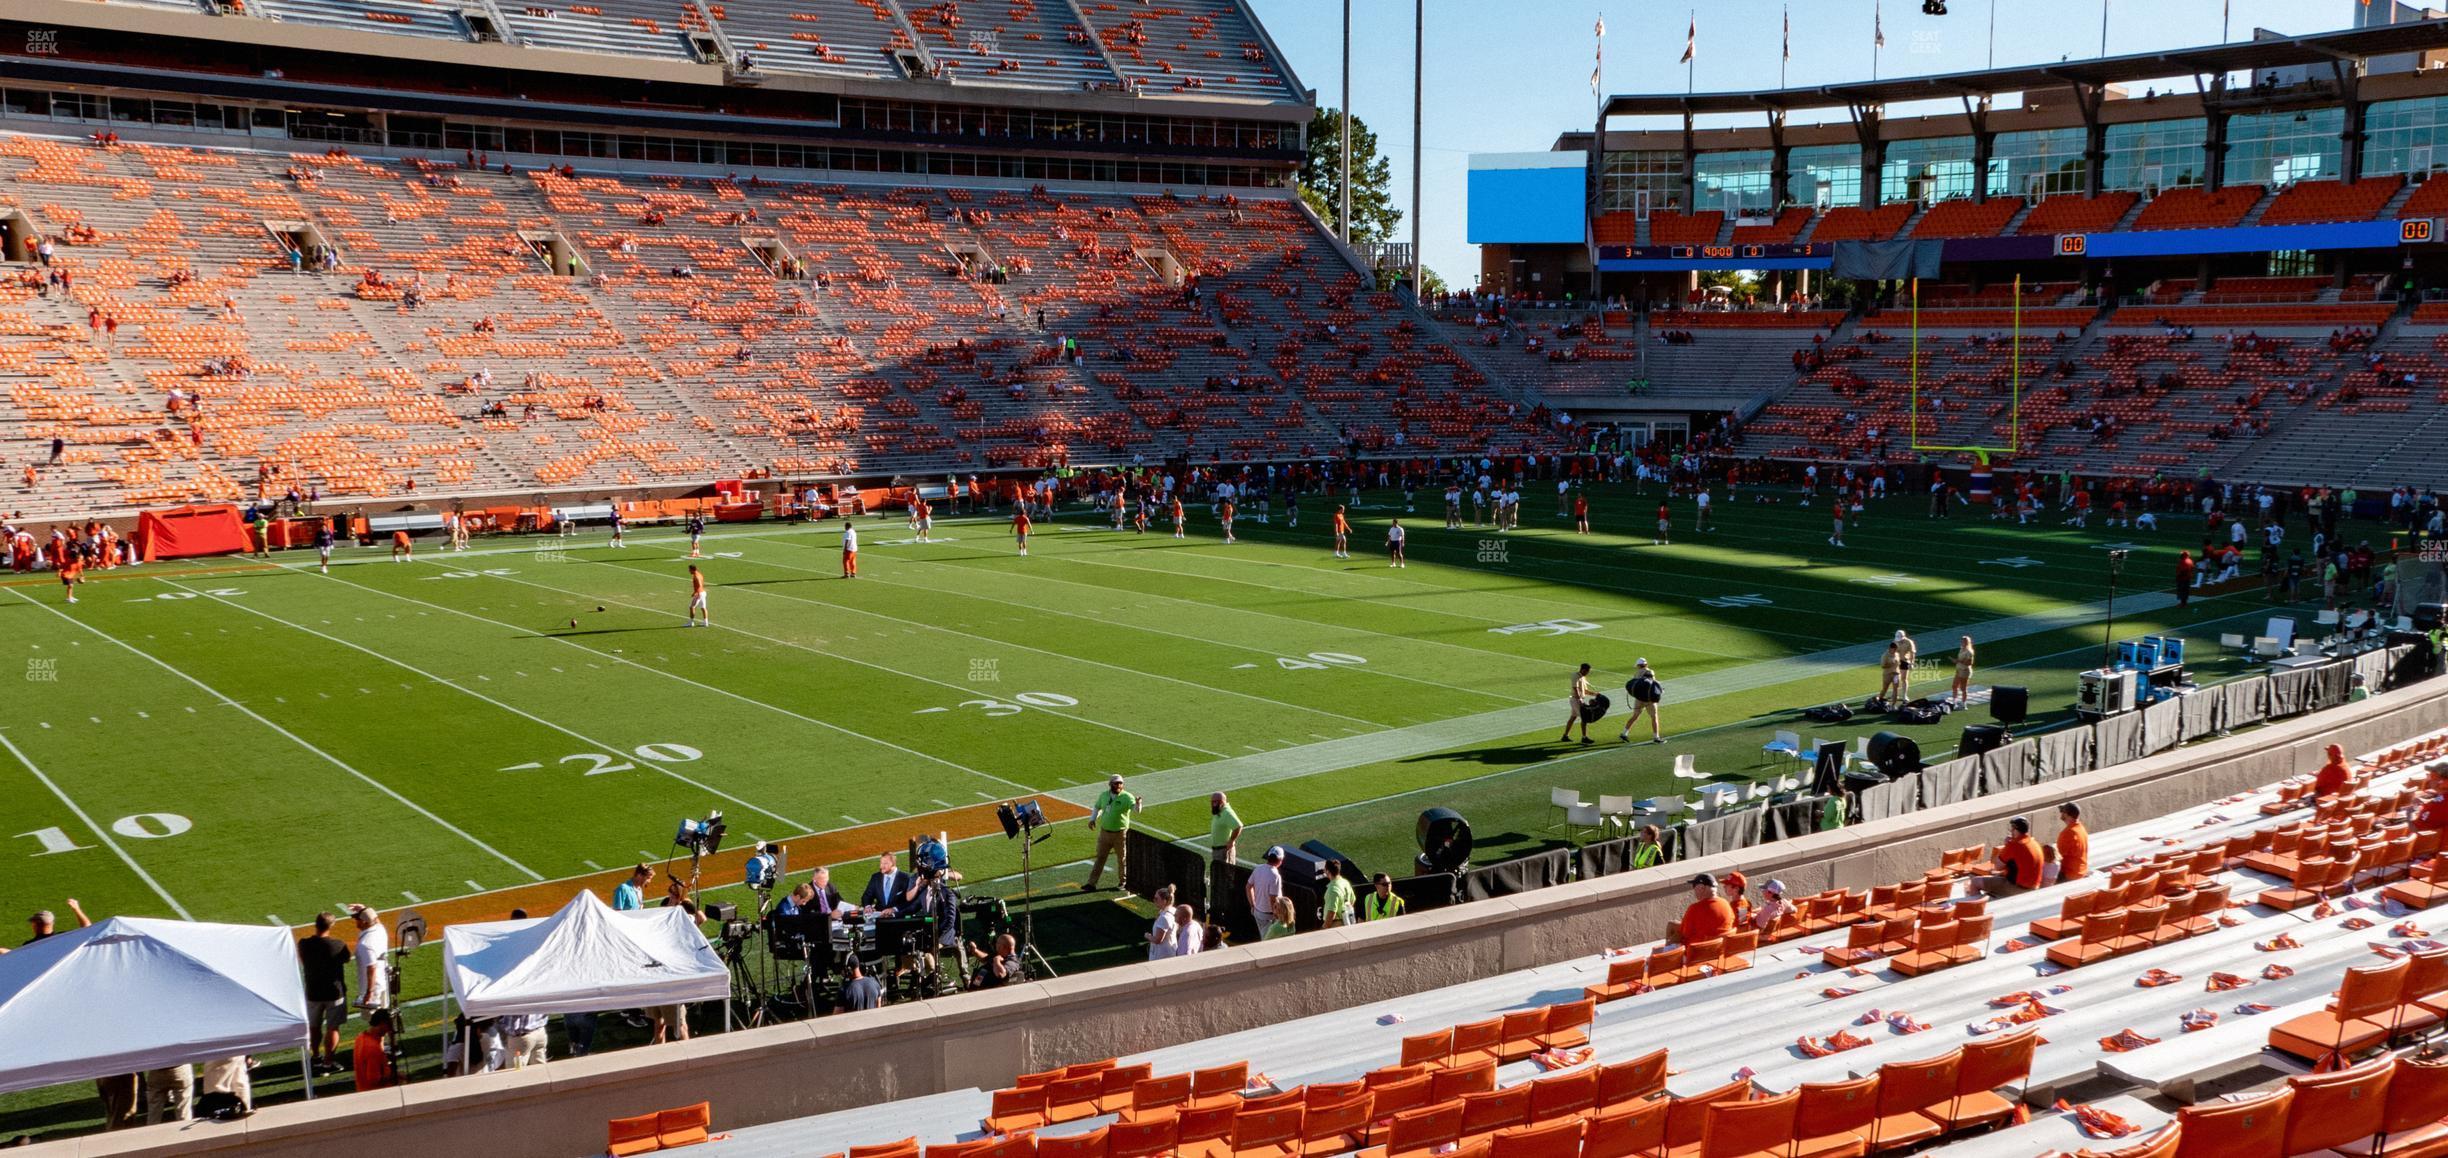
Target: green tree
point(1374, 216)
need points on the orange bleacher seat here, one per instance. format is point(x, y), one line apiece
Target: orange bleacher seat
point(1557, 1139)
point(1567, 1024)
point(1158, 1096)
point(1218, 1085)
point(1018, 1109)
point(1624, 1082)
point(2308, 202)
point(1430, 1049)
point(2424, 888)
point(1759, 1128)
point(635, 1136)
point(1486, 1112)
point(1833, 1119)
point(2253, 1128)
point(1143, 1138)
point(1206, 1131)
point(1965, 217)
point(2095, 943)
point(1455, 1081)
point(1623, 979)
point(1114, 1094)
point(1396, 1097)
point(1420, 1131)
point(1069, 1099)
point(880, 1149)
point(2360, 1017)
point(1631, 1130)
point(1988, 1066)
point(1518, 1033)
point(1088, 1145)
point(1565, 1095)
point(1687, 1117)
point(1271, 1133)
point(2415, 1120)
point(2192, 207)
point(1477, 1041)
point(2074, 213)
point(1913, 1098)
point(1335, 1127)
point(2337, 1109)
point(1670, 228)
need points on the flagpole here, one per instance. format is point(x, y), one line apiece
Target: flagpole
point(2103, 29)
point(1878, 36)
point(1691, 45)
point(1785, 48)
point(1419, 97)
point(1343, 212)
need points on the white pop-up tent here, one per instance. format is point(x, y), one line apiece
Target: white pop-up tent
point(138, 993)
point(583, 959)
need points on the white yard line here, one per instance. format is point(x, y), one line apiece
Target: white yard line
point(100, 833)
point(307, 568)
point(292, 737)
point(961, 688)
point(590, 741)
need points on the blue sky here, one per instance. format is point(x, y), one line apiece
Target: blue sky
point(1507, 77)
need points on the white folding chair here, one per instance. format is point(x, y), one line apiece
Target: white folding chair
point(1583, 816)
point(1617, 810)
point(1564, 800)
point(1719, 797)
point(1660, 809)
point(2231, 642)
point(1784, 743)
point(2325, 618)
point(1684, 770)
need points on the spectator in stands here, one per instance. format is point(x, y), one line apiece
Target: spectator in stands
point(2073, 843)
point(2019, 860)
point(371, 1055)
point(1189, 935)
point(1265, 883)
point(1707, 918)
point(1160, 932)
point(1773, 907)
point(2334, 775)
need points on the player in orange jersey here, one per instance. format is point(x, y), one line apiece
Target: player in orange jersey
point(1224, 511)
point(1020, 527)
point(1178, 532)
point(72, 572)
point(402, 551)
point(1342, 534)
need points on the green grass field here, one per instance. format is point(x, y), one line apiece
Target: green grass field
point(240, 744)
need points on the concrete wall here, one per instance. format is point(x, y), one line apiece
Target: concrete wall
point(984, 1039)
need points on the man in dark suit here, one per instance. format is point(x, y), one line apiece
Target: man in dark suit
point(887, 888)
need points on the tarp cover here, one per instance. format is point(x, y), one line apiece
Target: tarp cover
point(140, 993)
point(1887, 260)
point(582, 959)
point(186, 532)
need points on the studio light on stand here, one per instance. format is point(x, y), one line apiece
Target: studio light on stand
point(1021, 819)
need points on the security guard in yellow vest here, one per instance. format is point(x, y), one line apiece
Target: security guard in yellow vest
point(1381, 902)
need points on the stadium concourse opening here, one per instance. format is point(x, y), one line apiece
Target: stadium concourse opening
point(958, 458)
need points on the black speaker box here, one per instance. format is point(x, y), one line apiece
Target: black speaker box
point(1979, 738)
point(2009, 705)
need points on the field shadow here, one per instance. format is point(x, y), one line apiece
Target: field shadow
point(1506, 756)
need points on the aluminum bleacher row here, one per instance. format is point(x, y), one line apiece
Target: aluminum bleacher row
point(679, 353)
point(2265, 932)
point(1174, 47)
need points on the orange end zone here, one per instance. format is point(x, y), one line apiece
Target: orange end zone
point(840, 846)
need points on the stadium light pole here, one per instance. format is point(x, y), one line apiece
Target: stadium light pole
point(1419, 92)
point(1343, 220)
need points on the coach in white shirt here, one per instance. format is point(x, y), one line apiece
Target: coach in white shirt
point(373, 941)
point(1266, 884)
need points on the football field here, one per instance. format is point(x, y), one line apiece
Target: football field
point(245, 740)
